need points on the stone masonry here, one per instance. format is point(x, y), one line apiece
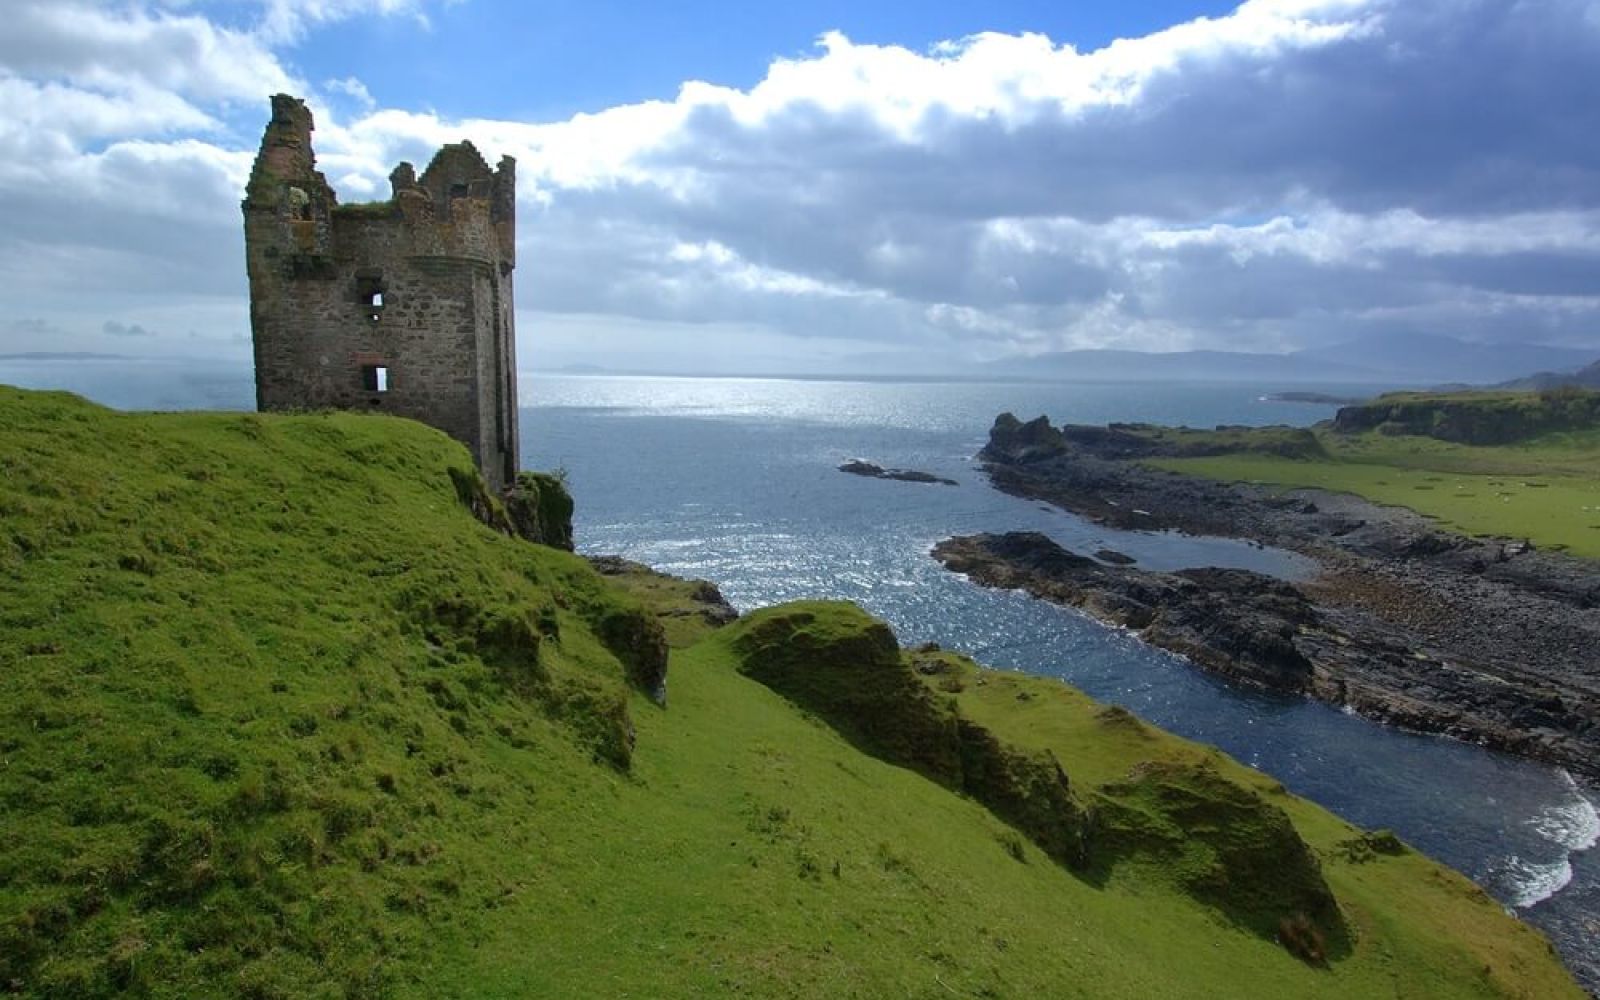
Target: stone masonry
point(402, 306)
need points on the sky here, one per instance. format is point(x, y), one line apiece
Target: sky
point(838, 186)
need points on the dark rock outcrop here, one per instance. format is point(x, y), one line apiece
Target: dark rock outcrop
point(714, 608)
point(1011, 440)
point(1278, 636)
point(856, 467)
point(1233, 622)
point(1488, 640)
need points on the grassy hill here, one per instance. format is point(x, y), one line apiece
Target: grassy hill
point(280, 717)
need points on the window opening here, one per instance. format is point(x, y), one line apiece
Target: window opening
point(300, 203)
point(369, 292)
point(375, 378)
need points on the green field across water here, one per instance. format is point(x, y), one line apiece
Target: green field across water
point(1545, 488)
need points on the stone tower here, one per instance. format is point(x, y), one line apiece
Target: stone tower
point(402, 306)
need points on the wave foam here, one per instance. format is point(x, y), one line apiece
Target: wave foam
point(1533, 883)
point(1573, 826)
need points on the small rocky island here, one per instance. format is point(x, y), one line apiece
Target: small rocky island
point(1491, 641)
point(857, 467)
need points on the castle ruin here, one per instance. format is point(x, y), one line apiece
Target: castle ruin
point(402, 306)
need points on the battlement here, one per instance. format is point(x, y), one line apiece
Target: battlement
point(403, 306)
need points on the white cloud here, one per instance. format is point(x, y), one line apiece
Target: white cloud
point(129, 50)
point(1329, 236)
point(354, 89)
point(1294, 172)
point(1015, 78)
point(1010, 79)
point(289, 20)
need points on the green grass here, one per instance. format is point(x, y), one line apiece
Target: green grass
point(1546, 489)
point(365, 209)
point(279, 717)
point(1406, 895)
point(249, 666)
point(756, 851)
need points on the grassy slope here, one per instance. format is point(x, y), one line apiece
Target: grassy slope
point(1396, 928)
point(251, 670)
point(245, 752)
point(1546, 489)
point(765, 855)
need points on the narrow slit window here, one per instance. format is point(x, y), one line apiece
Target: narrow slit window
point(375, 378)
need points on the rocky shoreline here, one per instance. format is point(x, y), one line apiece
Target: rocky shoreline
point(1488, 641)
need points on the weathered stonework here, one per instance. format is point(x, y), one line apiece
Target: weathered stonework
point(402, 306)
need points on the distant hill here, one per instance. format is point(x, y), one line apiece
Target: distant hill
point(1200, 366)
point(1584, 378)
point(1432, 358)
point(1417, 359)
point(64, 356)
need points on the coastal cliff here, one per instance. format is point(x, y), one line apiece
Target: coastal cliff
point(1474, 418)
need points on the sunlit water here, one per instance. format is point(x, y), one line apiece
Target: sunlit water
point(735, 480)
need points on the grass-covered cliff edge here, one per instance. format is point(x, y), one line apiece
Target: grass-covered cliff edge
point(280, 716)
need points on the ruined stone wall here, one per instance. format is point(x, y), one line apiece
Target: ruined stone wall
point(418, 287)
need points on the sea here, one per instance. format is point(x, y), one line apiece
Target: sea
point(736, 480)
